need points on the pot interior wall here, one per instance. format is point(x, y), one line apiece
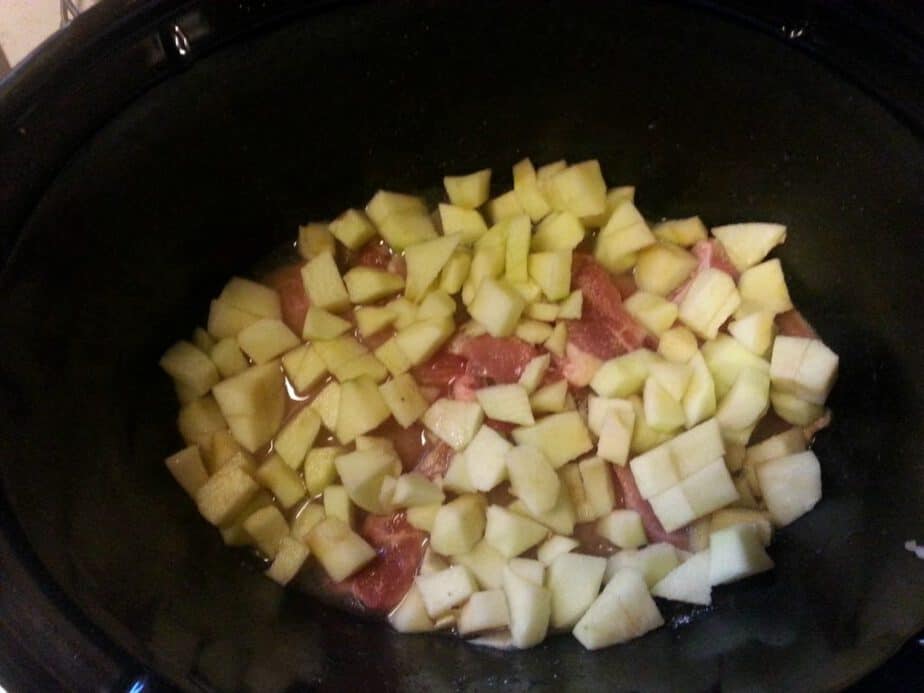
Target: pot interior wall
point(210, 170)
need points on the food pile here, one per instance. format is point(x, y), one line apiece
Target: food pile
point(508, 417)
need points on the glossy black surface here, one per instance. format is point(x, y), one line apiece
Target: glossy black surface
point(209, 169)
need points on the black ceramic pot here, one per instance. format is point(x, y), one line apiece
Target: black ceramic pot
point(155, 148)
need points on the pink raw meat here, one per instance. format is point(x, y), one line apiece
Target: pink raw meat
point(634, 501)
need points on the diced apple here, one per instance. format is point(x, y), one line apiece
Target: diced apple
point(550, 399)
point(652, 563)
point(673, 377)
point(418, 342)
point(267, 527)
point(324, 285)
point(190, 366)
point(187, 468)
point(327, 405)
point(654, 313)
point(529, 569)
point(362, 472)
point(337, 504)
point(279, 478)
point(683, 232)
point(662, 411)
point(297, 436)
point(709, 302)
point(599, 494)
point(266, 339)
point(726, 358)
point(303, 366)
point(654, 471)
point(339, 549)
point(225, 450)
point(226, 320)
point(644, 437)
point(458, 525)
point(699, 401)
point(321, 324)
point(737, 516)
point(424, 263)
point(698, 534)
point(735, 553)
point(794, 410)
point(384, 203)
point(599, 407)
point(532, 478)
point(624, 234)
point(485, 459)
point(497, 306)
point(555, 546)
point(677, 345)
point(622, 612)
point(436, 304)
point(624, 375)
point(534, 372)
point(402, 230)
point(697, 448)
point(791, 486)
point(574, 581)
point(228, 357)
point(251, 297)
point(755, 332)
point(559, 519)
point(764, 285)
point(352, 228)
point(290, 557)
point(804, 368)
point(511, 534)
point(443, 590)
point(373, 319)
point(506, 403)
point(561, 437)
point(468, 191)
point(782, 444)
point(530, 608)
point(517, 233)
point(455, 271)
point(306, 519)
point(422, 517)
point(579, 189)
point(663, 267)
point(403, 398)
point(614, 198)
point(746, 402)
point(622, 528)
point(526, 187)
point(225, 494)
point(253, 403)
point(453, 421)
point(467, 224)
point(673, 508)
point(410, 616)
point(571, 308)
point(551, 270)
point(315, 239)
point(503, 207)
point(747, 244)
point(484, 611)
point(393, 358)
point(708, 489)
point(688, 582)
point(367, 410)
point(415, 489)
point(368, 285)
point(457, 478)
point(558, 231)
point(558, 339)
point(486, 563)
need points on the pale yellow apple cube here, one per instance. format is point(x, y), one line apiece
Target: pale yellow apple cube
point(552, 273)
point(682, 232)
point(425, 260)
point(470, 190)
point(662, 267)
point(267, 528)
point(418, 342)
point(352, 228)
point(747, 244)
point(297, 436)
point(340, 551)
point(458, 525)
point(190, 366)
point(253, 403)
point(324, 285)
point(678, 344)
point(282, 480)
point(187, 468)
point(225, 494)
point(497, 306)
point(503, 207)
point(561, 437)
point(385, 203)
point(315, 239)
point(367, 410)
point(321, 324)
point(558, 231)
point(579, 189)
point(290, 557)
point(228, 357)
point(403, 398)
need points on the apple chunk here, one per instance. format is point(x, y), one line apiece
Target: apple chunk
point(622, 612)
point(736, 552)
point(532, 479)
point(791, 486)
point(458, 525)
point(253, 403)
point(443, 590)
point(529, 606)
point(574, 581)
point(688, 582)
point(341, 551)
